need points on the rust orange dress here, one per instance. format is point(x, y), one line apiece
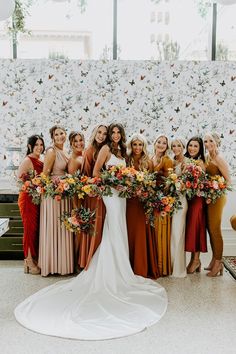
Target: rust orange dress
point(30, 217)
point(162, 225)
point(142, 245)
point(89, 244)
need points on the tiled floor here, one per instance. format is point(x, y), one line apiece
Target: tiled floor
point(200, 319)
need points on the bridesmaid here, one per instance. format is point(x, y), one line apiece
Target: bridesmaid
point(162, 164)
point(142, 249)
point(178, 257)
point(89, 245)
point(195, 233)
point(29, 211)
point(77, 144)
point(56, 243)
point(215, 165)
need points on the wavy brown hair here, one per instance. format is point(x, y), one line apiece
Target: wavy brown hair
point(55, 127)
point(200, 154)
point(122, 142)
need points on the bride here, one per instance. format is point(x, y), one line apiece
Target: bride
point(108, 300)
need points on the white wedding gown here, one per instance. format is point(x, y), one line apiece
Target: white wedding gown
point(106, 301)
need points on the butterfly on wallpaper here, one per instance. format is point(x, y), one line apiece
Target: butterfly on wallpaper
point(84, 127)
point(4, 157)
point(84, 73)
point(126, 92)
point(176, 75)
point(129, 101)
point(132, 82)
point(172, 65)
point(40, 81)
point(50, 76)
point(171, 118)
point(96, 104)
point(222, 83)
point(216, 92)
point(187, 104)
point(34, 91)
point(86, 109)
point(141, 131)
point(38, 100)
point(174, 129)
point(233, 78)
point(222, 136)
point(177, 110)
point(220, 102)
point(204, 126)
point(4, 103)
point(142, 77)
point(231, 131)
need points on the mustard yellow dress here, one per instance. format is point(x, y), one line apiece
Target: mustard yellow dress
point(214, 217)
point(162, 225)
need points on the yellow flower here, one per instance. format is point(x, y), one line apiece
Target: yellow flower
point(80, 195)
point(173, 176)
point(70, 180)
point(139, 177)
point(86, 189)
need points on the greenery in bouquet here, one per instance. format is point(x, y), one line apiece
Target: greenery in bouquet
point(174, 186)
point(121, 178)
point(31, 183)
point(59, 187)
point(158, 204)
point(79, 220)
point(193, 179)
point(215, 187)
point(92, 187)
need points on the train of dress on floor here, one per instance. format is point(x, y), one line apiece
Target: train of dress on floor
point(106, 301)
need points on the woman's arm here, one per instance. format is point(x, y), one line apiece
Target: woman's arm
point(49, 161)
point(103, 156)
point(24, 167)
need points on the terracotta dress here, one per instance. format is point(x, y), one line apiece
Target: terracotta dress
point(214, 217)
point(162, 226)
point(142, 243)
point(30, 217)
point(55, 242)
point(88, 243)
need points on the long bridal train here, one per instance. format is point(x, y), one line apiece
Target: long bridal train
point(106, 301)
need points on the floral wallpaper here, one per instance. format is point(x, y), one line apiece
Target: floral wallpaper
point(150, 97)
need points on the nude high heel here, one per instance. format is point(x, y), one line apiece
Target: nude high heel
point(30, 267)
point(194, 267)
point(216, 270)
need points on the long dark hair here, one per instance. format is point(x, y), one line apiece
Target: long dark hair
point(31, 142)
point(200, 154)
point(121, 144)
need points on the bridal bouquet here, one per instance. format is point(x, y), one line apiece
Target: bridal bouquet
point(193, 179)
point(121, 178)
point(32, 184)
point(215, 187)
point(92, 187)
point(79, 220)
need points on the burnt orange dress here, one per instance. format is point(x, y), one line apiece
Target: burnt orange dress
point(88, 243)
point(142, 244)
point(162, 225)
point(30, 217)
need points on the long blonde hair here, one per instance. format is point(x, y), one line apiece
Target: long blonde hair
point(144, 160)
